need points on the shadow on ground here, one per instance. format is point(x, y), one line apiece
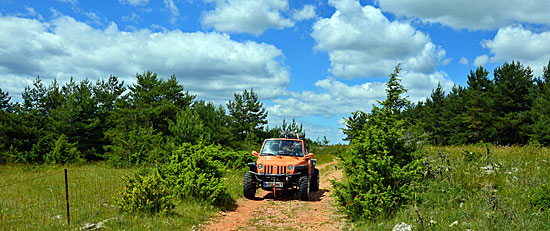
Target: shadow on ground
point(288, 195)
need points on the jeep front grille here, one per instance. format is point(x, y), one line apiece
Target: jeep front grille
point(272, 169)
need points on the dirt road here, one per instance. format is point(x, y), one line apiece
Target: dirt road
point(286, 211)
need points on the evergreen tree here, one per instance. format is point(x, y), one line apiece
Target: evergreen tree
point(144, 113)
point(434, 123)
point(541, 112)
point(513, 97)
point(479, 114)
point(247, 115)
point(215, 121)
point(381, 169)
point(5, 104)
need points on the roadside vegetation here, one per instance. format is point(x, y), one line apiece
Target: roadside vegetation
point(477, 187)
point(149, 155)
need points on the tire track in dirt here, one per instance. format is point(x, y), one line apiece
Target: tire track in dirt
point(286, 211)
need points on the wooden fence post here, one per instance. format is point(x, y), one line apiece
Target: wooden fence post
point(67, 198)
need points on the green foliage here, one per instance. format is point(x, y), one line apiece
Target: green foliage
point(234, 159)
point(509, 109)
point(135, 147)
point(541, 113)
point(381, 169)
point(146, 192)
point(215, 122)
point(247, 114)
point(539, 198)
point(188, 128)
point(63, 152)
point(140, 121)
point(192, 173)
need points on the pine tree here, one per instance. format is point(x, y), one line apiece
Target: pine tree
point(247, 114)
point(381, 169)
point(513, 99)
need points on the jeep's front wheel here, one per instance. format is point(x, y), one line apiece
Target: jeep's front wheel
point(249, 187)
point(315, 180)
point(304, 188)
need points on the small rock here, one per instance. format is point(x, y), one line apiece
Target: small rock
point(402, 227)
point(224, 214)
point(453, 224)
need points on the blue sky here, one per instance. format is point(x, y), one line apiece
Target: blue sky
point(316, 61)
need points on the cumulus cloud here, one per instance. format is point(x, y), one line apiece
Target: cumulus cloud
point(463, 61)
point(481, 60)
point(210, 65)
point(171, 6)
point(247, 16)
point(134, 2)
point(337, 98)
point(517, 43)
point(471, 14)
point(362, 42)
point(308, 12)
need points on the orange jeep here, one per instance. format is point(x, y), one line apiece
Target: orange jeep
point(283, 164)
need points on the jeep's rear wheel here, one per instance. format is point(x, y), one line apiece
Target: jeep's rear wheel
point(315, 180)
point(304, 188)
point(249, 187)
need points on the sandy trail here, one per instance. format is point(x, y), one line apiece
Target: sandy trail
point(286, 211)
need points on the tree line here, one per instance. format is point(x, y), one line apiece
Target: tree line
point(511, 108)
point(140, 123)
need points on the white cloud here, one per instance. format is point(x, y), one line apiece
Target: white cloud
point(481, 60)
point(210, 65)
point(134, 2)
point(362, 42)
point(247, 16)
point(73, 2)
point(337, 98)
point(131, 18)
point(517, 43)
point(464, 61)
point(171, 6)
point(472, 14)
point(308, 12)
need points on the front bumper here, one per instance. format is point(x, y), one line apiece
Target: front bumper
point(289, 180)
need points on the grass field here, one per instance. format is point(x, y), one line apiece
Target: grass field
point(32, 197)
point(469, 188)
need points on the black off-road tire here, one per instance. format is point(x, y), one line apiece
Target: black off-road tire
point(303, 191)
point(249, 186)
point(314, 185)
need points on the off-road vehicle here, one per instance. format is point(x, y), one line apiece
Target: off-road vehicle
point(283, 163)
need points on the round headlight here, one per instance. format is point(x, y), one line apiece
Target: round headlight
point(260, 166)
point(290, 167)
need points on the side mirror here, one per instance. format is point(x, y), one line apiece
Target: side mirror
point(256, 154)
point(309, 156)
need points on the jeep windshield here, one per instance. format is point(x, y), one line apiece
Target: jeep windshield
point(282, 148)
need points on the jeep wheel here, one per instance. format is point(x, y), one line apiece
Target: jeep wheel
point(304, 188)
point(314, 185)
point(249, 187)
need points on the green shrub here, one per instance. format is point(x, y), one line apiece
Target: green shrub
point(63, 152)
point(234, 159)
point(146, 193)
point(540, 197)
point(193, 173)
point(138, 146)
point(381, 168)
point(190, 173)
